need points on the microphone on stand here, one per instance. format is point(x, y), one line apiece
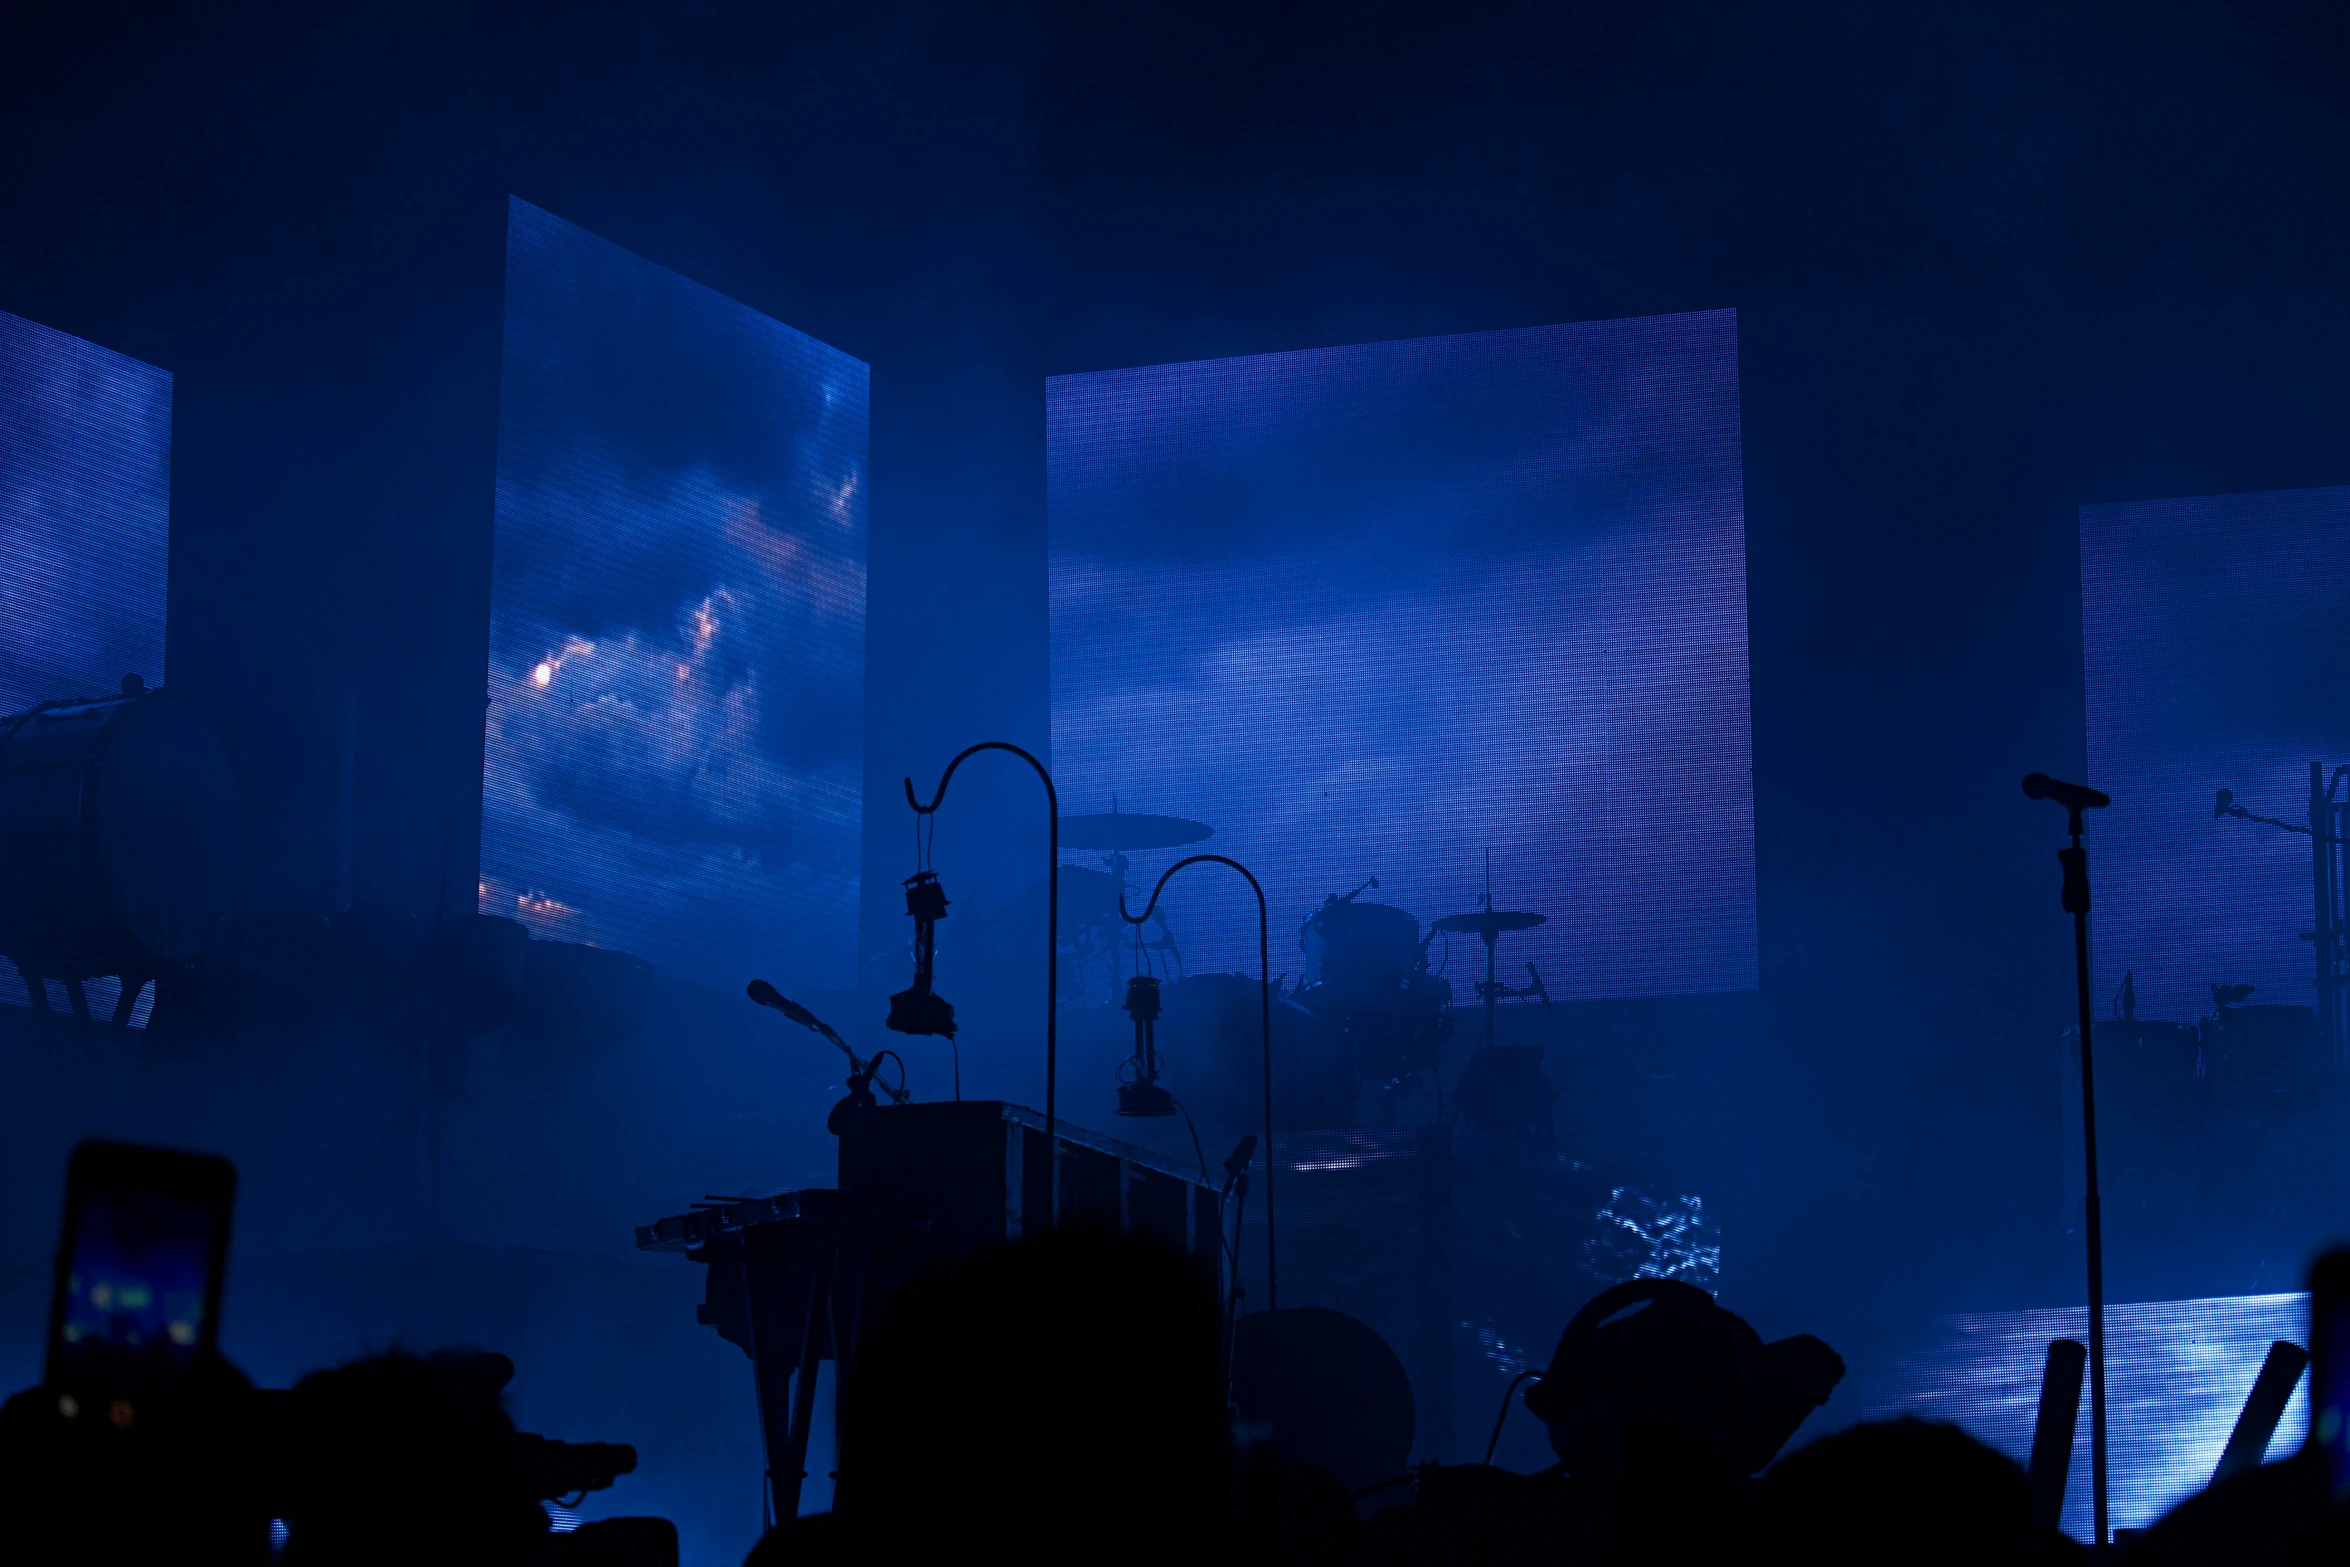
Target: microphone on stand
point(1537, 989)
point(1242, 1152)
point(2073, 797)
point(860, 1070)
point(767, 995)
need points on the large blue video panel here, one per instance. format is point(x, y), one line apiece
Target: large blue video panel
point(2177, 1374)
point(1374, 610)
point(2215, 637)
point(677, 631)
point(85, 515)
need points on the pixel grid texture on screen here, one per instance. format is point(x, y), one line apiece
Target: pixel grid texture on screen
point(2177, 1371)
point(2215, 633)
point(674, 757)
point(85, 516)
point(85, 533)
point(1374, 610)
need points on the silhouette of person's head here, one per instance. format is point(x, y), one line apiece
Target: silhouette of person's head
point(1057, 1399)
point(1345, 1403)
point(406, 1459)
point(1655, 1349)
point(1899, 1492)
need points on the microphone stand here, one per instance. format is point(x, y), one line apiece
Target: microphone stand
point(2075, 899)
point(1052, 940)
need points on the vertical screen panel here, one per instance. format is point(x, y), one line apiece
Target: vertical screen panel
point(2215, 634)
point(2177, 1375)
point(85, 513)
point(1372, 611)
point(677, 630)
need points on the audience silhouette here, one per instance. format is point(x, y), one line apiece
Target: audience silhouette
point(1063, 1399)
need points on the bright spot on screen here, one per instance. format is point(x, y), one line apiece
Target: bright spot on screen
point(672, 538)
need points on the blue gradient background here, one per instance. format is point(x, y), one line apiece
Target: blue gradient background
point(2216, 641)
point(85, 515)
point(1372, 610)
point(680, 548)
point(85, 533)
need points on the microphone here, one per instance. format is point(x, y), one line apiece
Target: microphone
point(2073, 797)
point(1242, 1153)
point(767, 995)
point(2225, 803)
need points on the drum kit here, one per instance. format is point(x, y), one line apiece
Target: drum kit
point(1367, 983)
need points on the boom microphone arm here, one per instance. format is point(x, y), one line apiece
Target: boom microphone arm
point(860, 1070)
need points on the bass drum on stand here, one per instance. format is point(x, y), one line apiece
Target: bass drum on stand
point(121, 833)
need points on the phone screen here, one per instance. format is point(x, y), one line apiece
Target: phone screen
point(139, 1275)
point(138, 1271)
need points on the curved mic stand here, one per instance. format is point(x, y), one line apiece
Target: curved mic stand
point(1265, 1021)
point(1052, 937)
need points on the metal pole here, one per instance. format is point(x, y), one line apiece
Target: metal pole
point(2076, 899)
point(1265, 1024)
point(1052, 948)
point(2321, 936)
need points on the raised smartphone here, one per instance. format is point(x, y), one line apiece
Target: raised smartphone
point(140, 1260)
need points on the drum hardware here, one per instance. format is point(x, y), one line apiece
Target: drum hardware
point(1360, 957)
point(1367, 969)
point(1490, 925)
point(1052, 918)
point(1115, 831)
point(1164, 944)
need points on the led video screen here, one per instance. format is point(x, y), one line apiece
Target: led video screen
point(2177, 1373)
point(85, 515)
point(1377, 611)
point(675, 738)
point(2215, 634)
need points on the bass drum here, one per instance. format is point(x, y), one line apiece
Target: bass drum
point(1359, 956)
point(121, 832)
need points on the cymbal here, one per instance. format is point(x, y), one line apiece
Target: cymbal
point(1488, 923)
point(1116, 830)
